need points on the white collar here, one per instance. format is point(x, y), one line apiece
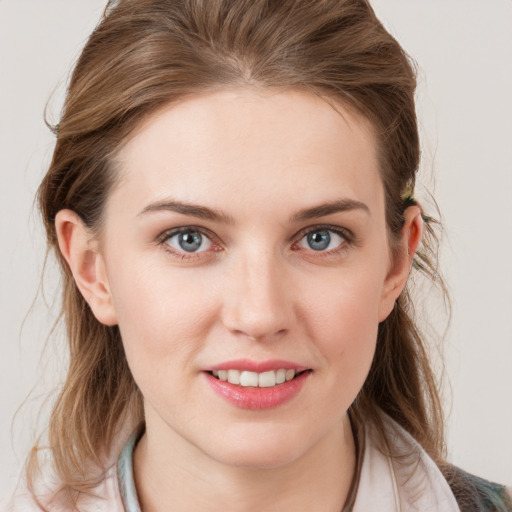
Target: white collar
point(409, 481)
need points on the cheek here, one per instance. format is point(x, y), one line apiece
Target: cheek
point(344, 305)
point(162, 318)
point(343, 321)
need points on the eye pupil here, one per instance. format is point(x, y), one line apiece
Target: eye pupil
point(190, 241)
point(319, 240)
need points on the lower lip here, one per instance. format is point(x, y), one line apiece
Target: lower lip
point(258, 398)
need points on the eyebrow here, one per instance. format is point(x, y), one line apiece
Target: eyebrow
point(203, 212)
point(194, 210)
point(340, 205)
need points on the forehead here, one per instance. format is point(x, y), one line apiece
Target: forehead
point(242, 147)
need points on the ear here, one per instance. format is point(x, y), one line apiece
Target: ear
point(81, 251)
point(410, 239)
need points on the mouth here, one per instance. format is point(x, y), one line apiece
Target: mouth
point(267, 379)
point(257, 385)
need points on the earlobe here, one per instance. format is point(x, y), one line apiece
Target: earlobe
point(80, 251)
point(410, 240)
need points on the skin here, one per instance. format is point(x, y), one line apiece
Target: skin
point(255, 290)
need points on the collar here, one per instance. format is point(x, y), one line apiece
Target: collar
point(399, 476)
point(406, 481)
point(125, 473)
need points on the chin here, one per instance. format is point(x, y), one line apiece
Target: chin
point(257, 458)
point(258, 449)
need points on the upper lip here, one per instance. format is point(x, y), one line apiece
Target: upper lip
point(257, 366)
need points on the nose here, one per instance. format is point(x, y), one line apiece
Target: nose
point(258, 301)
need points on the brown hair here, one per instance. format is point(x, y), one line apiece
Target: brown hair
point(147, 53)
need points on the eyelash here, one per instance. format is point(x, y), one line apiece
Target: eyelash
point(166, 235)
point(345, 234)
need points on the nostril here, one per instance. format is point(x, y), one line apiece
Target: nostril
point(265, 335)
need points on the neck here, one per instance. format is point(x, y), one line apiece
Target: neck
point(169, 470)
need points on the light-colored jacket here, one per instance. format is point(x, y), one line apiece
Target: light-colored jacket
point(407, 482)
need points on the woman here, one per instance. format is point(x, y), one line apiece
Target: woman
point(231, 197)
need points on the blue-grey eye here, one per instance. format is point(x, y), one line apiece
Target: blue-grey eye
point(321, 240)
point(189, 241)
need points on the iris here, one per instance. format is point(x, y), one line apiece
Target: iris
point(190, 241)
point(319, 240)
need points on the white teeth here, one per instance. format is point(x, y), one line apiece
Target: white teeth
point(249, 379)
point(234, 376)
point(254, 379)
point(267, 379)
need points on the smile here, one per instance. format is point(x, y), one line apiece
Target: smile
point(246, 378)
point(257, 390)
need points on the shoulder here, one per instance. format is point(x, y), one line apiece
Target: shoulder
point(419, 478)
point(475, 494)
point(397, 474)
point(47, 493)
point(100, 491)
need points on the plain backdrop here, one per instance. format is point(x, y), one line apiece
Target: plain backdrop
point(464, 55)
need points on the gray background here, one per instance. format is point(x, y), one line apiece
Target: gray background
point(464, 53)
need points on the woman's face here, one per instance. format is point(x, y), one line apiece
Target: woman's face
point(247, 233)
